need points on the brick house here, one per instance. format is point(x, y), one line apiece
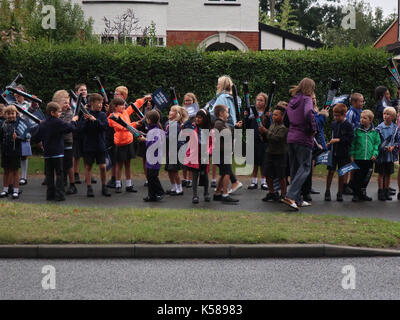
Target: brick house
point(390, 39)
point(208, 24)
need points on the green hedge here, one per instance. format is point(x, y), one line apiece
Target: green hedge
point(47, 68)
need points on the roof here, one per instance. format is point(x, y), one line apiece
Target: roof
point(288, 35)
point(386, 31)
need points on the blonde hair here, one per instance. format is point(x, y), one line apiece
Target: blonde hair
point(123, 91)
point(10, 108)
point(178, 111)
point(60, 95)
point(185, 115)
point(369, 114)
point(191, 95)
point(225, 83)
point(265, 96)
point(282, 104)
point(391, 111)
point(306, 87)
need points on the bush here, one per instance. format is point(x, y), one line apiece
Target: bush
point(48, 67)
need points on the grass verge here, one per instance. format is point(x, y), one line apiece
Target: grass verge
point(52, 224)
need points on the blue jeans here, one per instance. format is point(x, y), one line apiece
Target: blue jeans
point(300, 168)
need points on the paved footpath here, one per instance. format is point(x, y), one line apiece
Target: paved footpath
point(250, 200)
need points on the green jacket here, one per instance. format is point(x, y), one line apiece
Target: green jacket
point(365, 144)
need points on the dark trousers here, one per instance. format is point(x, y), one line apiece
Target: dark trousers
point(154, 184)
point(307, 185)
point(55, 191)
point(362, 176)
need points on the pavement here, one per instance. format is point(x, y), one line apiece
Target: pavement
point(250, 201)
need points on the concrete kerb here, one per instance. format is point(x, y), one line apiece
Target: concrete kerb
point(187, 251)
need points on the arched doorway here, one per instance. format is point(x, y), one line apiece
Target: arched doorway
point(223, 41)
point(218, 46)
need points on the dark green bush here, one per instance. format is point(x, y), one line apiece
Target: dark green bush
point(47, 68)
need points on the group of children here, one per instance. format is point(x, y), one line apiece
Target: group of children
point(96, 137)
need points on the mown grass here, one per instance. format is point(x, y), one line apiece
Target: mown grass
point(52, 224)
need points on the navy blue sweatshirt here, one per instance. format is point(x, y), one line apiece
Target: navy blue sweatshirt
point(94, 132)
point(51, 133)
point(345, 132)
point(9, 146)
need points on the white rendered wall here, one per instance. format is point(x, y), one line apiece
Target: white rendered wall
point(270, 41)
point(293, 45)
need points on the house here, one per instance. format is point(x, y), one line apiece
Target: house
point(390, 39)
point(208, 24)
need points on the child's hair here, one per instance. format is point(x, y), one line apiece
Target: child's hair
point(281, 109)
point(95, 97)
point(391, 111)
point(178, 112)
point(10, 109)
point(225, 83)
point(355, 97)
point(116, 102)
point(52, 107)
point(153, 116)
point(191, 95)
point(369, 114)
point(205, 115)
point(78, 85)
point(306, 87)
point(185, 115)
point(282, 104)
point(21, 87)
point(380, 92)
point(60, 95)
point(123, 91)
point(265, 96)
point(340, 109)
point(218, 109)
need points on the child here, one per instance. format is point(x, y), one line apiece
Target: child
point(381, 94)
point(275, 157)
point(80, 88)
point(10, 152)
point(93, 127)
point(364, 151)
point(155, 133)
point(121, 92)
point(354, 114)
point(339, 145)
point(388, 152)
point(221, 113)
point(123, 141)
point(193, 161)
point(51, 134)
point(175, 120)
point(259, 144)
point(62, 98)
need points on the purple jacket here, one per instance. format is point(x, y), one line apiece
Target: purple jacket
point(153, 135)
point(302, 120)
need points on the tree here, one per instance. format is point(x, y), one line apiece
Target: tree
point(286, 18)
point(121, 26)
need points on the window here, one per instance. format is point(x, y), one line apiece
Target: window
point(106, 39)
point(144, 41)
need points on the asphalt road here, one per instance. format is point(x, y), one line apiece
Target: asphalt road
point(257, 279)
point(250, 201)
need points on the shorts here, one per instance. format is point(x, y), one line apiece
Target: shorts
point(67, 162)
point(10, 162)
point(124, 153)
point(275, 165)
point(77, 148)
point(384, 168)
point(90, 157)
point(338, 162)
point(225, 169)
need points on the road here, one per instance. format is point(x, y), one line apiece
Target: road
point(242, 279)
point(250, 201)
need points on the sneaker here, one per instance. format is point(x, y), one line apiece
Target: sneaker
point(23, 182)
point(131, 189)
point(233, 190)
point(4, 194)
point(304, 204)
point(339, 197)
point(229, 199)
point(195, 200)
point(111, 183)
point(77, 179)
point(213, 184)
point(207, 197)
point(90, 193)
point(290, 203)
point(189, 184)
point(72, 190)
point(217, 197)
point(253, 186)
point(264, 187)
point(105, 192)
point(327, 196)
point(118, 189)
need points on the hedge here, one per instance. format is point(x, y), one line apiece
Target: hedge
point(48, 67)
